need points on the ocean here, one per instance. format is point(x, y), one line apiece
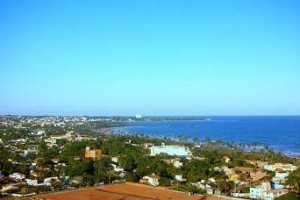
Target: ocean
point(281, 133)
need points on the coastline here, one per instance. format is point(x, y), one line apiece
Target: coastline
point(160, 129)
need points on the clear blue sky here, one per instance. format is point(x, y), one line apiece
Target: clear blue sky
point(150, 57)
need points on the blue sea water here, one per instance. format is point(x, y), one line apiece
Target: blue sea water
point(282, 133)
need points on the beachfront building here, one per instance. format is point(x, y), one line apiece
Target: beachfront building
point(173, 150)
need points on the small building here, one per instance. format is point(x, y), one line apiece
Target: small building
point(17, 176)
point(48, 181)
point(259, 191)
point(258, 175)
point(272, 194)
point(226, 159)
point(281, 167)
point(150, 180)
point(94, 153)
point(180, 178)
point(281, 175)
point(76, 180)
point(177, 163)
point(115, 159)
point(32, 182)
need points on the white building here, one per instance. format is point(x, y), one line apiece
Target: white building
point(48, 181)
point(173, 150)
point(258, 192)
point(32, 182)
point(17, 176)
point(117, 168)
point(180, 178)
point(138, 116)
point(151, 180)
point(283, 167)
point(200, 185)
point(115, 159)
point(281, 175)
point(272, 194)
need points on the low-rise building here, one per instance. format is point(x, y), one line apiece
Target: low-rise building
point(272, 194)
point(17, 176)
point(259, 191)
point(32, 182)
point(258, 175)
point(280, 166)
point(281, 175)
point(180, 178)
point(94, 153)
point(150, 180)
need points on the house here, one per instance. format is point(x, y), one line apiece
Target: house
point(77, 180)
point(272, 194)
point(94, 153)
point(281, 175)
point(280, 166)
point(226, 170)
point(17, 176)
point(199, 185)
point(243, 169)
point(180, 178)
point(32, 182)
point(277, 185)
point(226, 159)
point(117, 168)
point(30, 152)
point(212, 180)
point(150, 180)
point(257, 163)
point(115, 159)
point(258, 192)
point(48, 181)
point(177, 163)
point(258, 175)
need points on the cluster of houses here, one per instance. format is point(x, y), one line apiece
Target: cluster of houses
point(256, 179)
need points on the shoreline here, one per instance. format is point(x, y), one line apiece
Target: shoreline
point(175, 138)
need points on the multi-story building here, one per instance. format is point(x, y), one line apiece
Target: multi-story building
point(94, 153)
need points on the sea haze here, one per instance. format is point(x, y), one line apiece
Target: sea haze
point(281, 133)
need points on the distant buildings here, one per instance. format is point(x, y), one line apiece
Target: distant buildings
point(138, 116)
point(94, 153)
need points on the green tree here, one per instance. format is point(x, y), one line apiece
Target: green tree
point(131, 177)
point(163, 181)
point(102, 167)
